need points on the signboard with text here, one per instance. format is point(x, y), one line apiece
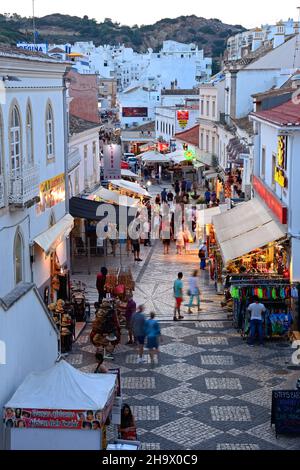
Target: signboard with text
point(286, 411)
point(134, 112)
point(281, 164)
point(183, 118)
point(112, 162)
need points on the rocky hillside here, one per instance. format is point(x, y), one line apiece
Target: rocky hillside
point(209, 34)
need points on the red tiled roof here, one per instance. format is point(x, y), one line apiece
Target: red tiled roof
point(287, 114)
point(191, 136)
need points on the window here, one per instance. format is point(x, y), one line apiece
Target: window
point(18, 258)
point(1, 145)
point(274, 158)
point(76, 182)
point(207, 108)
point(207, 142)
point(29, 135)
point(172, 131)
point(15, 139)
point(202, 142)
point(213, 109)
point(202, 108)
point(213, 145)
point(50, 132)
point(169, 129)
point(85, 164)
point(95, 160)
point(263, 163)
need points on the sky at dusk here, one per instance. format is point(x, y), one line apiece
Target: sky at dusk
point(130, 12)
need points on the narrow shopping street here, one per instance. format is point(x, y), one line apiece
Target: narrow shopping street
point(210, 390)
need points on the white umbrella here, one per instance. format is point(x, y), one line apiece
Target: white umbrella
point(154, 157)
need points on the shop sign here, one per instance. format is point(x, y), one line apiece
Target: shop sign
point(189, 155)
point(52, 192)
point(272, 202)
point(286, 411)
point(112, 162)
point(280, 176)
point(182, 118)
point(54, 419)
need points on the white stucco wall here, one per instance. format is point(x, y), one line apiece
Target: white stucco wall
point(31, 344)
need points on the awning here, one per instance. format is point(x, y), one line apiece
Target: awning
point(211, 176)
point(94, 210)
point(54, 236)
point(130, 187)
point(129, 174)
point(154, 157)
point(113, 197)
point(245, 228)
point(204, 216)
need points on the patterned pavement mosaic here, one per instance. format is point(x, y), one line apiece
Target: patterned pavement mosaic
point(209, 390)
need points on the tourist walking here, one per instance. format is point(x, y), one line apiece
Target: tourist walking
point(130, 310)
point(256, 310)
point(194, 291)
point(138, 324)
point(178, 294)
point(164, 195)
point(177, 188)
point(202, 256)
point(207, 197)
point(170, 196)
point(136, 247)
point(100, 284)
point(152, 331)
point(180, 242)
point(183, 186)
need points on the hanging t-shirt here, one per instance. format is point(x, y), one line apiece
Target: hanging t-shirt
point(256, 310)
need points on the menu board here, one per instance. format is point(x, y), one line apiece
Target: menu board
point(286, 411)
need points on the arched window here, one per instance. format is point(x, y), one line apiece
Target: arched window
point(15, 139)
point(50, 132)
point(18, 257)
point(1, 146)
point(29, 135)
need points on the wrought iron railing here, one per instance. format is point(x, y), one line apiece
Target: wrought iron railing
point(23, 185)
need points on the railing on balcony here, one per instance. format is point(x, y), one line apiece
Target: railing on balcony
point(2, 194)
point(73, 158)
point(23, 185)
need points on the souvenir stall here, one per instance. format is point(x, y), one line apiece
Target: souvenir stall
point(70, 316)
point(110, 315)
point(60, 409)
point(274, 292)
point(254, 254)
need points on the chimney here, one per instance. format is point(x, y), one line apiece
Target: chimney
point(279, 37)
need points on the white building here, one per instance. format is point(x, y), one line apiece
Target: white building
point(242, 44)
point(137, 104)
point(33, 219)
point(84, 161)
point(167, 120)
point(277, 169)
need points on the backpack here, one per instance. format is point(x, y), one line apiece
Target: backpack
point(201, 254)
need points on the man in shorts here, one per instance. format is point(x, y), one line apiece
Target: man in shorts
point(138, 328)
point(178, 294)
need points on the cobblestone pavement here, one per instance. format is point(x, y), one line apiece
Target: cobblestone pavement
point(209, 389)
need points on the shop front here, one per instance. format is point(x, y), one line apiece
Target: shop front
point(251, 257)
point(53, 244)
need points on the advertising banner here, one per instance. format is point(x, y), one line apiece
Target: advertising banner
point(112, 162)
point(54, 419)
point(183, 118)
point(135, 112)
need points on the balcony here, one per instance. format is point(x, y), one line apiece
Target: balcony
point(2, 194)
point(23, 186)
point(74, 158)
